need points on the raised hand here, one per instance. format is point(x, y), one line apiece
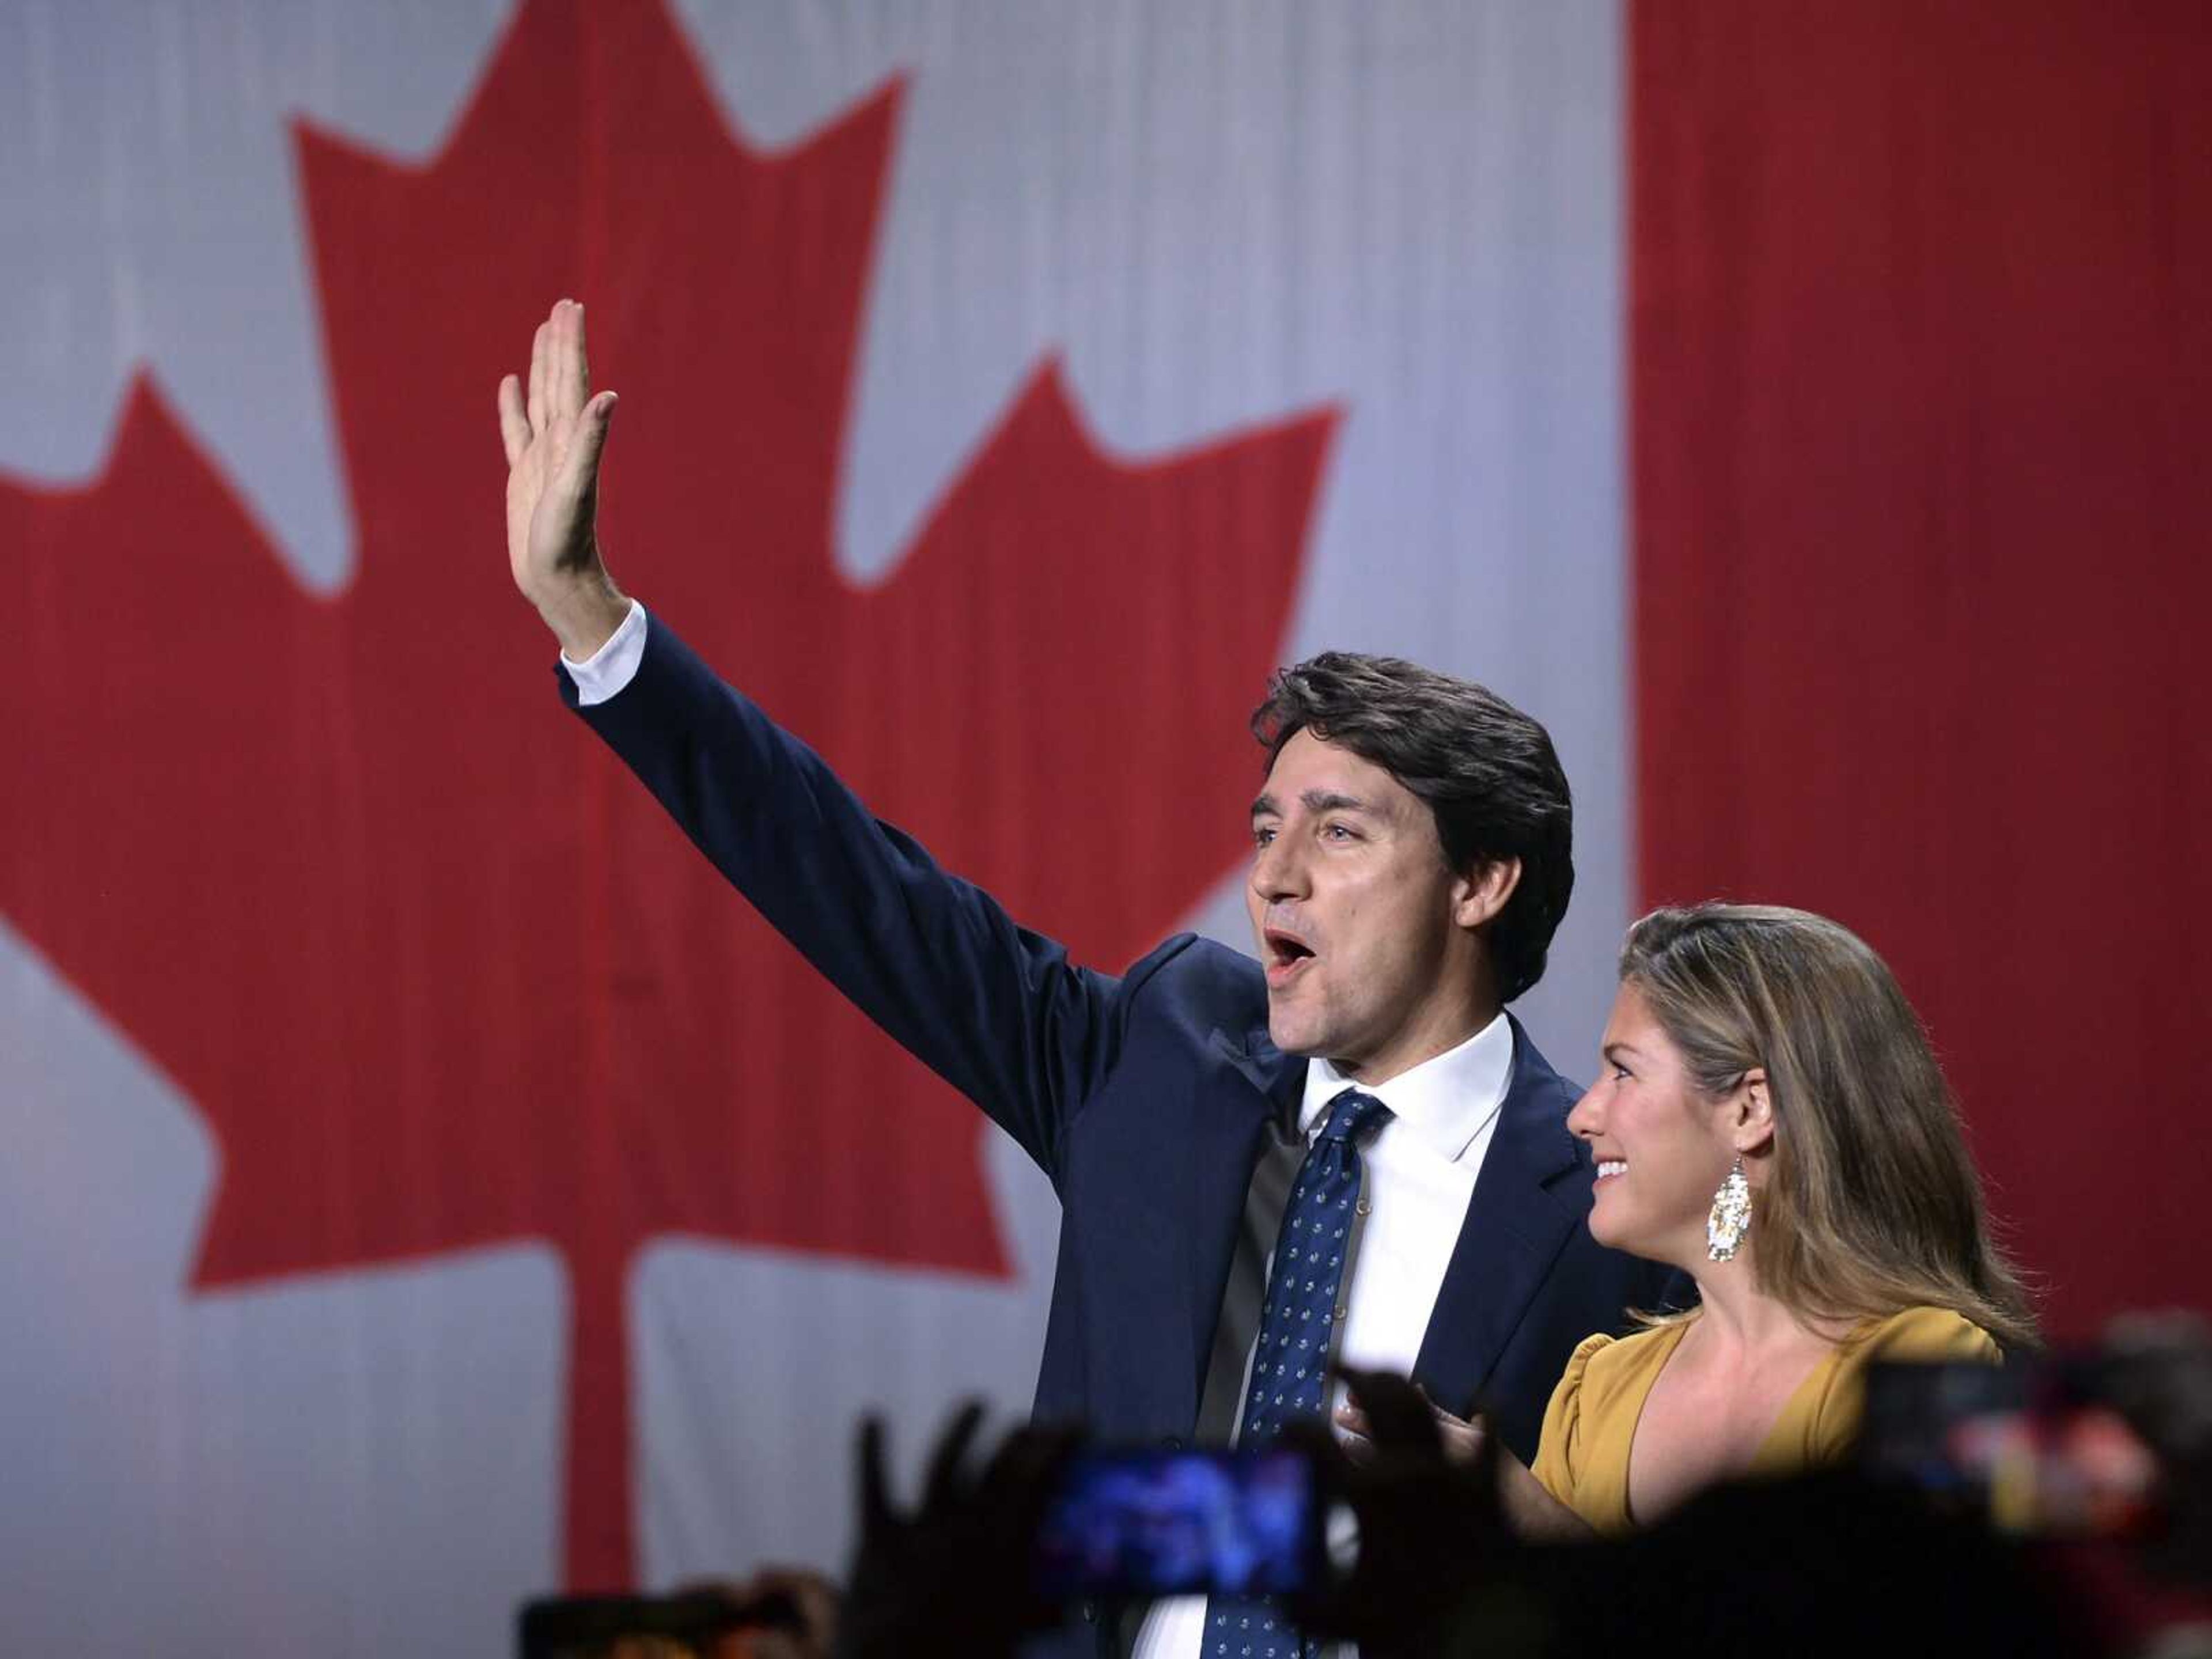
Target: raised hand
point(554, 434)
point(951, 1576)
point(1462, 1440)
point(1433, 1529)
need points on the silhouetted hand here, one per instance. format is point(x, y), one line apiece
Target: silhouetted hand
point(1462, 1439)
point(1433, 1532)
point(951, 1576)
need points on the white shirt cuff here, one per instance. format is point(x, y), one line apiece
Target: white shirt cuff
point(614, 665)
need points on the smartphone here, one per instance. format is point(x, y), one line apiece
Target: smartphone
point(1137, 1523)
point(2031, 1446)
point(618, 1626)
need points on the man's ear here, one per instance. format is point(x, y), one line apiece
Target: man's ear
point(1478, 896)
point(1752, 1113)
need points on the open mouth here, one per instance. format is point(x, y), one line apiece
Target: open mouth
point(1610, 1169)
point(1286, 955)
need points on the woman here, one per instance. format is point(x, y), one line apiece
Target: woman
point(1771, 1120)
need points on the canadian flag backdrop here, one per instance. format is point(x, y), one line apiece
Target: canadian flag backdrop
point(421, 1186)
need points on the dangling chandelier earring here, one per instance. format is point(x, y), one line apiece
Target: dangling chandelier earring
point(1731, 1218)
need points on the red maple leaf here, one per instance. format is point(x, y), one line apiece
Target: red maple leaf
point(435, 970)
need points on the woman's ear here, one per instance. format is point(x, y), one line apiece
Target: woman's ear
point(1752, 1113)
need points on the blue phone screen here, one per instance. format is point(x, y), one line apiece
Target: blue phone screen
point(1162, 1523)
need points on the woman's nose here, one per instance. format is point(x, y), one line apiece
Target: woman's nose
point(1586, 1119)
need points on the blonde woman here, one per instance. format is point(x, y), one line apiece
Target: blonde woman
point(1769, 1119)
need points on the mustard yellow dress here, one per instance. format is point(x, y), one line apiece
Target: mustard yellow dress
point(1590, 1425)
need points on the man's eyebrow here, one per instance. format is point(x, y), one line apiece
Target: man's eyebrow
point(1330, 800)
point(1315, 801)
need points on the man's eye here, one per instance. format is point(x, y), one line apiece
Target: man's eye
point(1262, 834)
point(1622, 1074)
point(1338, 831)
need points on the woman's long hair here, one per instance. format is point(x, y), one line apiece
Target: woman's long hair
point(1871, 1204)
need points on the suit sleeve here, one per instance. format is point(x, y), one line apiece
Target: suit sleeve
point(996, 1010)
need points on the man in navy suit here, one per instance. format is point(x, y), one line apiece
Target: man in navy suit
point(1412, 859)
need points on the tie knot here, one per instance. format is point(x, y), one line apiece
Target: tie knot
point(1353, 1115)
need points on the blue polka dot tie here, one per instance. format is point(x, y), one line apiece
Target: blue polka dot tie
point(1290, 1365)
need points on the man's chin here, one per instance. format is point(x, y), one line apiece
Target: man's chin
point(1293, 1037)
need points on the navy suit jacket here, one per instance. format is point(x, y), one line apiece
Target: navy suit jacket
point(1145, 1097)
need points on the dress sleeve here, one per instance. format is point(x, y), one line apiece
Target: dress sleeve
point(1921, 1335)
point(1559, 1450)
point(1929, 1335)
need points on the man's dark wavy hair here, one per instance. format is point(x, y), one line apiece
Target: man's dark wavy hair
point(1487, 771)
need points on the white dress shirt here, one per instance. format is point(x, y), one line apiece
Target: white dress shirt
point(614, 665)
point(1420, 1172)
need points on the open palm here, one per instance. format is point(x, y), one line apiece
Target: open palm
point(554, 433)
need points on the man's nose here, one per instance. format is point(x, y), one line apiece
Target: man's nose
point(1278, 871)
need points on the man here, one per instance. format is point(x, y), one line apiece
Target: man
point(1348, 1152)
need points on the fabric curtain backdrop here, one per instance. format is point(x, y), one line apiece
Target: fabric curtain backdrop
point(1923, 303)
point(424, 1187)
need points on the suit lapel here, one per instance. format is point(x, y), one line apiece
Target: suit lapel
point(1265, 1086)
point(1281, 1077)
point(1514, 1228)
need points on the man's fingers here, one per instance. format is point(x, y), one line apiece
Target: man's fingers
point(565, 388)
point(580, 466)
point(514, 424)
point(580, 363)
point(541, 349)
